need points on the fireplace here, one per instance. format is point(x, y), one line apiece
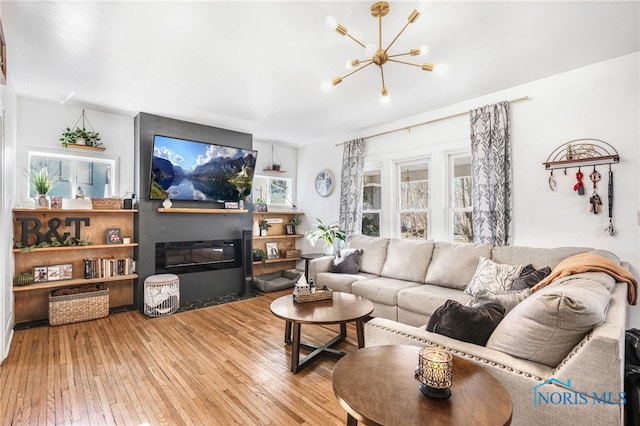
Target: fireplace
point(182, 257)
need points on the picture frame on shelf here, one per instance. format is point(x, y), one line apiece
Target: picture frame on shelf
point(231, 205)
point(272, 251)
point(40, 274)
point(60, 272)
point(289, 229)
point(56, 202)
point(261, 207)
point(114, 236)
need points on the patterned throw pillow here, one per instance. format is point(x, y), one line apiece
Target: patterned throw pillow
point(347, 261)
point(494, 277)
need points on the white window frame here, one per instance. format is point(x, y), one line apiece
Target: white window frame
point(452, 210)
point(374, 168)
point(398, 193)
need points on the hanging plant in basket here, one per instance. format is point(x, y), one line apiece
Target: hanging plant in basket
point(80, 135)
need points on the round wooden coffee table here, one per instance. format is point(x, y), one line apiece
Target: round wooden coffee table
point(376, 385)
point(341, 309)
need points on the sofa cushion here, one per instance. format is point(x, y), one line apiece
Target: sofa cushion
point(407, 259)
point(507, 299)
point(529, 277)
point(347, 261)
point(453, 264)
point(340, 282)
point(381, 290)
point(545, 326)
point(374, 252)
point(492, 276)
point(539, 257)
point(417, 304)
point(466, 323)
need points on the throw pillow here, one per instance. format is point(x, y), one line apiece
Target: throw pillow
point(545, 326)
point(465, 323)
point(509, 299)
point(529, 277)
point(347, 261)
point(493, 276)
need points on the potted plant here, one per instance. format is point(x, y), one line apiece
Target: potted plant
point(80, 137)
point(42, 183)
point(294, 221)
point(264, 227)
point(329, 233)
point(275, 166)
point(258, 255)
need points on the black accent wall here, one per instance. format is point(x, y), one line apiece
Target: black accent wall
point(152, 227)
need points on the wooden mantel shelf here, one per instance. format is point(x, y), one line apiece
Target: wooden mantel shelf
point(76, 146)
point(202, 211)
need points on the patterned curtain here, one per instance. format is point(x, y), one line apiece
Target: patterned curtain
point(351, 187)
point(491, 174)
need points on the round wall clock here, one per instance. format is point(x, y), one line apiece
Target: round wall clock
point(324, 183)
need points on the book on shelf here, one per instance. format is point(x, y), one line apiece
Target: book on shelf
point(104, 268)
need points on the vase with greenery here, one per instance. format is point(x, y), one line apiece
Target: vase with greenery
point(258, 255)
point(80, 136)
point(294, 221)
point(42, 182)
point(264, 227)
point(331, 234)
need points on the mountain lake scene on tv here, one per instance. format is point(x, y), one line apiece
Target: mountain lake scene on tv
point(188, 170)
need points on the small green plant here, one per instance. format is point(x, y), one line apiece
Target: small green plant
point(259, 256)
point(41, 181)
point(264, 225)
point(329, 233)
point(295, 220)
point(70, 137)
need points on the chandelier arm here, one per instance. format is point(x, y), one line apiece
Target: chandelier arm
point(425, 66)
point(384, 87)
point(356, 40)
point(356, 70)
point(398, 54)
point(396, 37)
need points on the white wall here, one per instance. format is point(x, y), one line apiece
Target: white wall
point(600, 101)
point(286, 155)
point(41, 123)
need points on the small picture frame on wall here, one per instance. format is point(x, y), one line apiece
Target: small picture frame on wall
point(272, 251)
point(114, 236)
point(261, 207)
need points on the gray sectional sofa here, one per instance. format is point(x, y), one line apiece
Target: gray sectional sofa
point(559, 352)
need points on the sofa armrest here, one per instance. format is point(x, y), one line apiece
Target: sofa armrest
point(321, 264)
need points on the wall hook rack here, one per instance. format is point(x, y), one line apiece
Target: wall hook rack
point(582, 152)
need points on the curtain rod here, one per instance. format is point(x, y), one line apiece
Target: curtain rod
point(435, 120)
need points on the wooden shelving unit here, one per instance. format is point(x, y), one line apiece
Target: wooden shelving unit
point(200, 211)
point(76, 146)
point(32, 301)
point(277, 233)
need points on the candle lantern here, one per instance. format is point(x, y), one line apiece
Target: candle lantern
point(434, 372)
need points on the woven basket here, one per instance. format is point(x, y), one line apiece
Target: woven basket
point(78, 307)
point(106, 203)
point(313, 297)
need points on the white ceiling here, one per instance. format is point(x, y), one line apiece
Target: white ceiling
point(257, 67)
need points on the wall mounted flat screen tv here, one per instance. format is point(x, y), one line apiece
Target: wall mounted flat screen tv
point(196, 171)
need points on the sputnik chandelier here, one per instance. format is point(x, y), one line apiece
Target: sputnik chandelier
point(379, 55)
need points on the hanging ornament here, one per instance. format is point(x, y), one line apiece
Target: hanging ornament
point(552, 182)
point(610, 229)
point(580, 185)
point(595, 177)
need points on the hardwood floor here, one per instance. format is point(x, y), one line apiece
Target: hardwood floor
point(221, 365)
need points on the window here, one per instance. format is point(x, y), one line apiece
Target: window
point(75, 175)
point(460, 207)
point(371, 203)
point(273, 191)
point(413, 200)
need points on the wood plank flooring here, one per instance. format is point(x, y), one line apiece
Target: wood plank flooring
point(223, 365)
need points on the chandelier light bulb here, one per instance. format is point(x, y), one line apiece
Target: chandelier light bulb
point(424, 50)
point(440, 69)
point(330, 22)
point(370, 50)
point(385, 96)
point(326, 86)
